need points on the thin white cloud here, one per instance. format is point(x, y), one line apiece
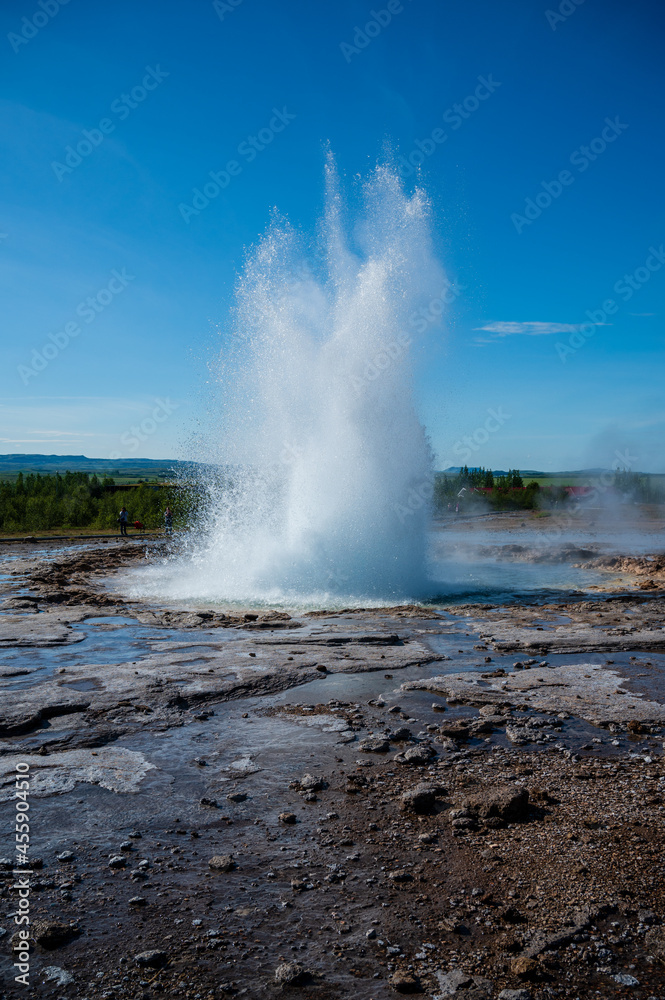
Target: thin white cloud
point(532, 328)
point(528, 329)
point(39, 441)
point(68, 434)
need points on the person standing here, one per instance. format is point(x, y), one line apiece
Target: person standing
point(123, 519)
point(168, 521)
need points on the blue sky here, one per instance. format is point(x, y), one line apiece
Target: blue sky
point(168, 92)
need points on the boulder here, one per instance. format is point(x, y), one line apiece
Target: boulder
point(292, 974)
point(222, 863)
point(420, 799)
point(53, 933)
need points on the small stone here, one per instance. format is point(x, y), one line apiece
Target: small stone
point(138, 901)
point(152, 959)
point(237, 797)
point(374, 744)
point(222, 863)
point(117, 861)
point(400, 735)
point(288, 818)
point(421, 754)
point(624, 979)
point(524, 967)
point(205, 801)
point(420, 799)
point(452, 981)
point(400, 876)
point(135, 835)
point(514, 995)
point(52, 933)
point(126, 846)
point(66, 856)
point(370, 934)
point(505, 803)
point(292, 974)
point(309, 783)
point(405, 982)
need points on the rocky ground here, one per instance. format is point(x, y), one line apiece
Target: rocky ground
point(465, 802)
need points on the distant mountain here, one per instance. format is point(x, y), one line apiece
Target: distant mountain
point(80, 463)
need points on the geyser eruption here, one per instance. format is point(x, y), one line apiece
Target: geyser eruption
point(323, 468)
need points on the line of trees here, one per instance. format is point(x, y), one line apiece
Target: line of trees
point(78, 500)
point(475, 487)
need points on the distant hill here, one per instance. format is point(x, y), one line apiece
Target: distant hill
point(148, 468)
point(452, 470)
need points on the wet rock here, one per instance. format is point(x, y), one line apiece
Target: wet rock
point(292, 974)
point(309, 783)
point(419, 755)
point(222, 863)
point(400, 735)
point(117, 861)
point(400, 876)
point(374, 744)
point(405, 982)
point(66, 856)
point(420, 800)
point(138, 901)
point(288, 818)
point(520, 735)
point(51, 934)
point(151, 959)
point(211, 803)
point(135, 835)
point(126, 846)
point(237, 797)
point(625, 979)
